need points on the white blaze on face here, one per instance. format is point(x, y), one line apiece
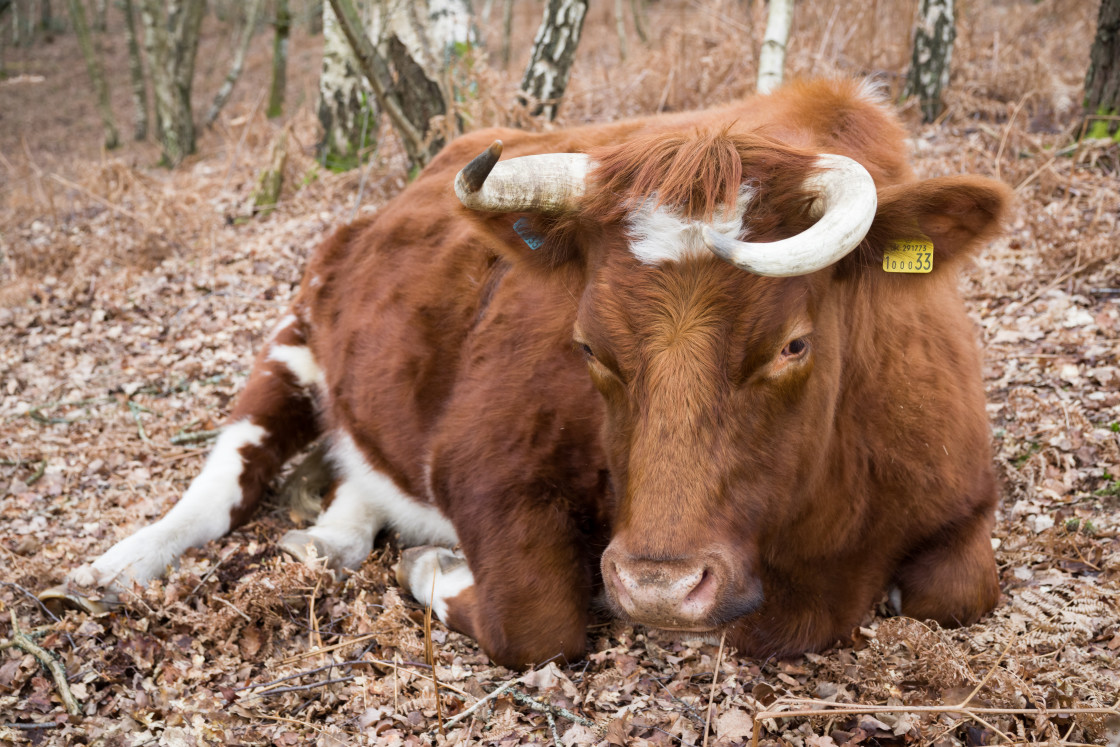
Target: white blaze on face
point(662, 235)
point(201, 515)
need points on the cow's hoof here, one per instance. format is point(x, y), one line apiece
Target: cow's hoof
point(305, 547)
point(59, 599)
point(425, 559)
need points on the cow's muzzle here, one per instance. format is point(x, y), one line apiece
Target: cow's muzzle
point(697, 592)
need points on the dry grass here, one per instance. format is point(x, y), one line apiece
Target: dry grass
point(130, 299)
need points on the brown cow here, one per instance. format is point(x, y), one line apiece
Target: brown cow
point(588, 381)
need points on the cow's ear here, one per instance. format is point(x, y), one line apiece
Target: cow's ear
point(957, 213)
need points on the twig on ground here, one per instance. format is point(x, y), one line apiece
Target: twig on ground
point(827, 708)
point(48, 725)
point(54, 666)
point(136, 409)
point(299, 688)
point(478, 704)
point(537, 705)
point(234, 608)
point(39, 471)
point(203, 580)
point(712, 692)
point(193, 438)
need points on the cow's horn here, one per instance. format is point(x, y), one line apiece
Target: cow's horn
point(846, 205)
point(547, 183)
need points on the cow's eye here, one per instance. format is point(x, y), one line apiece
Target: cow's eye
point(586, 350)
point(796, 348)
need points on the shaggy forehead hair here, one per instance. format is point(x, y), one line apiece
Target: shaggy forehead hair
point(698, 177)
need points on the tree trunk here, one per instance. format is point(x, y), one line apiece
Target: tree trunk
point(554, 50)
point(252, 15)
point(507, 28)
point(772, 57)
point(348, 115)
point(171, 44)
point(933, 54)
point(46, 21)
point(101, 15)
point(638, 8)
point(620, 26)
point(374, 68)
point(136, 73)
point(96, 72)
point(279, 59)
point(1102, 82)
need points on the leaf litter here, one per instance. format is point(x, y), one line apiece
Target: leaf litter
point(133, 299)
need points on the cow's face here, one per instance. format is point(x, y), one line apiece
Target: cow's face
point(716, 383)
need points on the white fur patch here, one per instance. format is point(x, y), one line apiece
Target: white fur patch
point(201, 515)
point(659, 234)
point(286, 321)
point(419, 523)
point(430, 585)
point(299, 361)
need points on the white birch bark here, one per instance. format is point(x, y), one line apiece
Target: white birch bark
point(932, 56)
point(171, 32)
point(252, 15)
point(620, 26)
point(347, 106)
point(554, 50)
point(96, 73)
point(135, 74)
point(772, 57)
point(283, 26)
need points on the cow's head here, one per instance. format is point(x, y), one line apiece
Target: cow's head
point(720, 360)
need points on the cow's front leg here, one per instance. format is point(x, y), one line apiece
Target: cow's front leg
point(524, 603)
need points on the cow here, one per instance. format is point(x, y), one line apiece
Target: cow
point(658, 366)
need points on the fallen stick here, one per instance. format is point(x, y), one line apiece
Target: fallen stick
point(53, 665)
point(846, 709)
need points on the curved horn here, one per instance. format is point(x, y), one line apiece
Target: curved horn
point(847, 202)
point(547, 183)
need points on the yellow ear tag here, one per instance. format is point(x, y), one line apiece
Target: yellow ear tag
point(909, 255)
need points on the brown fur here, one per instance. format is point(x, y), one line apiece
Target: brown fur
point(807, 485)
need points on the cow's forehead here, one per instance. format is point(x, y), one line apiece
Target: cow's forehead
point(629, 303)
point(659, 233)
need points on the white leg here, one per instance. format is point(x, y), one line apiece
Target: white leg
point(202, 514)
point(344, 533)
point(434, 575)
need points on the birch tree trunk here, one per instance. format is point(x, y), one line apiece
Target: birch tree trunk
point(171, 44)
point(638, 7)
point(408, 64)
point(136, 74)
point(283, 25)
point(620, 26)
point(348, 109)
point(96, 72)
point(507, 29)
point(554, 50)
point(252, 15)
point(1102, 81)
point(772, 56)
point(932, 56)
point(374, 68)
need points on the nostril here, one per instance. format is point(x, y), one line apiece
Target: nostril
point(702, 597)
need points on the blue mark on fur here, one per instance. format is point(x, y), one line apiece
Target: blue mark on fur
point(527, 234)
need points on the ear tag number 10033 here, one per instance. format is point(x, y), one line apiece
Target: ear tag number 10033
point(909, 255)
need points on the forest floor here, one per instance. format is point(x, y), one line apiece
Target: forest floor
point(132, 299)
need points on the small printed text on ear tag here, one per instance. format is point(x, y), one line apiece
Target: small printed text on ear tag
point(527, 234)
point(909, 255)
